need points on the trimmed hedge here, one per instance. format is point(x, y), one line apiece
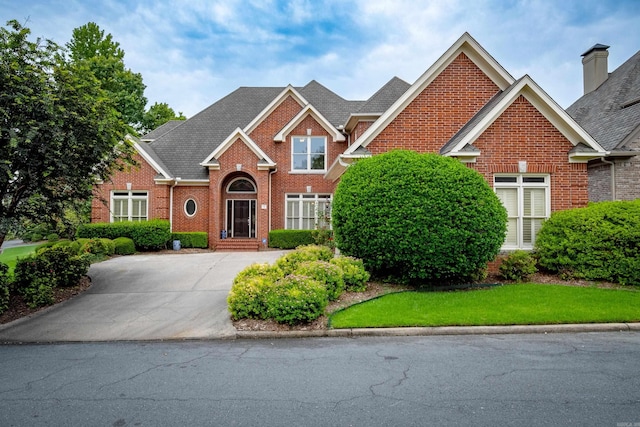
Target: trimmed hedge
point(150, 235)
point(598, 242)
point(417, 218)
point(124, 246)
point(290, 239)
point(195, 239)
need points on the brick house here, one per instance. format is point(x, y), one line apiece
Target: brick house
point(610, 111)
point(265, 158)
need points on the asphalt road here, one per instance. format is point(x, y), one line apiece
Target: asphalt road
point(588, 379)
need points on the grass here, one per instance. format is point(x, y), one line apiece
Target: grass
point(521, 304)
point(10, 256)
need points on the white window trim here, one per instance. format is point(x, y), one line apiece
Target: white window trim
point(119, 195)
point(520, 185)
point(195, 204)
point(308, 170)
point(317, 197)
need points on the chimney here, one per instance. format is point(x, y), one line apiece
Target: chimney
point(594, 67)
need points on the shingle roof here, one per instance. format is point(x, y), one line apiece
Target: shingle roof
point(385, 97)
point(610, 112)
point(184, 147)
point(161, 130)
point(187, 145)
point(333, 107)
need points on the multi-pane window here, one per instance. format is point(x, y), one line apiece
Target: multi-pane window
point(129, 206)
point(308, 211)
point(526, 198)
point(308, 153)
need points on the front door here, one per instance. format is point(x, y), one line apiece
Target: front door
point(241, 218)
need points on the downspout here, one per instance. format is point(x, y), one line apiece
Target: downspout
point(270, 195)
point(175, 182)
point(613, 177)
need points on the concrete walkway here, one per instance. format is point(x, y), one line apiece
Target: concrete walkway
point(145, 297)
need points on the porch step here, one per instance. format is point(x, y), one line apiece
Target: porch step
point(238, 245)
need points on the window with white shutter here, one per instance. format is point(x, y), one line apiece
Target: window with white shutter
point(526, 199)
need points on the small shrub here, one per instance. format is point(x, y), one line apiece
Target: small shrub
point(247, 297)
point(518, 266)
point(53, 237)
point(353, 273)
point(39, 293)
point(259, 270)
point(78, 245)
point(4, 287)
point(290, 239)
point(326, 273)
point(99, 247)
point(28, 270)
point(55, 267)
point(36, 237)
point(196, 239)
point(323, 237)
point(296, 299)
point(124, 246)
point(289, 262)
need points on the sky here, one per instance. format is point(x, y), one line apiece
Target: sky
point(192, 53)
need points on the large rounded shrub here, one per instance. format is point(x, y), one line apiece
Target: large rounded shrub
point(598, 242)
point(417, 218)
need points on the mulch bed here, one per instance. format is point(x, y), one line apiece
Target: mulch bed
point(18, 308)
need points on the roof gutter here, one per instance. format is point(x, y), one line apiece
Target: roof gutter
point(175, 182)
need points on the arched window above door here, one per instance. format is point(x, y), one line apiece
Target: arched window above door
point(241, 185)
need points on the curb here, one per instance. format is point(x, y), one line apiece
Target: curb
point(442, 330)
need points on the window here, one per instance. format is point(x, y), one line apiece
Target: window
point(526, 199)
point(129, 206)
point(308, 153)
point(308, 211)
point(241, 185)
point(190, 207)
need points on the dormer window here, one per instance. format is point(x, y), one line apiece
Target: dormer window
point(308, 154)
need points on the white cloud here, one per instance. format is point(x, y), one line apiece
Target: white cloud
point(193, 53)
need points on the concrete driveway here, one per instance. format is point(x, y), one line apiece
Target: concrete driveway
point(145, 297)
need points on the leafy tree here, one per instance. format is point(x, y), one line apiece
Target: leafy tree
point(417, 218)
point(157, 115)
point(59, 130)
point(103, 56)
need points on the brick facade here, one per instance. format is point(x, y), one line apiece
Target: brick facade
point(426, 124)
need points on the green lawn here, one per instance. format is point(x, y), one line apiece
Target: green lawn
point(11, 255)
point(521, 304)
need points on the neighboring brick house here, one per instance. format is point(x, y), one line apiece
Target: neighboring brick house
point(610, 111)
point(265, 158)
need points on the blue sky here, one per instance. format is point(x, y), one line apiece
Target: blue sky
point(192, 53)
